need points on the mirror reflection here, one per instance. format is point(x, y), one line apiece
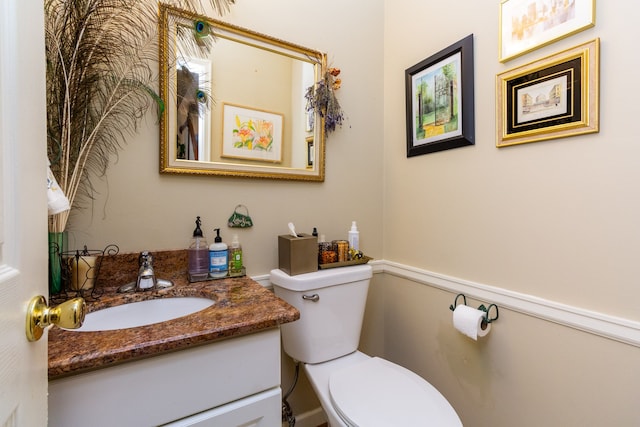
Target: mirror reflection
point(239, 109)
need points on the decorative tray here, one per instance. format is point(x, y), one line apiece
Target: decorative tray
point(365, 259)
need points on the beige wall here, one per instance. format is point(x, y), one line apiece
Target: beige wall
point(554, 220)
point(138, 208)
point(526, 372)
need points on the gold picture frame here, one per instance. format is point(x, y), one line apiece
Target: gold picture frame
point(553, 97)
point(526, 25)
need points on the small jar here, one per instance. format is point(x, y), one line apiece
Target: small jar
point(329, 257)
point(342, 248)
point(324, 247)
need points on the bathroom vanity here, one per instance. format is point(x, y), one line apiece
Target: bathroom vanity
point(218, 366)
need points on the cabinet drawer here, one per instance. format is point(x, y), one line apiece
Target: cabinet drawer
point(259, 410)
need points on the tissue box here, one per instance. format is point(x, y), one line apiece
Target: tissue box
point(298, 255)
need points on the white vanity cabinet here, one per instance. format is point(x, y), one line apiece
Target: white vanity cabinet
point(233, 382)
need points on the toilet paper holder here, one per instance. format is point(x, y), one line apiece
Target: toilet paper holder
point(482, 307)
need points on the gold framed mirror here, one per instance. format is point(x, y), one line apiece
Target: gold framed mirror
point(240, 109)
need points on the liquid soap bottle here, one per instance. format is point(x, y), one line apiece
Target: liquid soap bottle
point(235, 257)
point(198, 254)
point(218, 257)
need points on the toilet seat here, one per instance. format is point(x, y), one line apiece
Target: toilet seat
point(376, 392)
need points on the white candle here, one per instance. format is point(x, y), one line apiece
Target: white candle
point(83, 272)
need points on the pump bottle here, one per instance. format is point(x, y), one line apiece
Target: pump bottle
point(235, 257)
point(354, 237)
point(198, 254)
point(218, 257)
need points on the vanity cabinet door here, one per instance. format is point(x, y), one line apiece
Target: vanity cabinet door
point(202, 378)
point(259, 410)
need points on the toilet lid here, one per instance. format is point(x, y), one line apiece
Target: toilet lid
point(376, 392)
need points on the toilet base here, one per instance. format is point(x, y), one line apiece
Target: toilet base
point(359, 390)
point(318, 375)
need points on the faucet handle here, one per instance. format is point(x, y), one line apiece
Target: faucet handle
point(145, 258)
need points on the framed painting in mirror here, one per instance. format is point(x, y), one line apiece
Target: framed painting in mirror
point(251, 134)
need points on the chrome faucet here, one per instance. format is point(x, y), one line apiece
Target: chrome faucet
point(146, 276)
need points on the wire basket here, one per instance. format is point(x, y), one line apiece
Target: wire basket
point(80, 270)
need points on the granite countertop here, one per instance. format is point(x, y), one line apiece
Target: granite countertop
point(242, 306)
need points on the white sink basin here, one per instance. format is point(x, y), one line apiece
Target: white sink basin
point(142, 313)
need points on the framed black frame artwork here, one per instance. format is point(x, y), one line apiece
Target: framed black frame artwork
point(440, 100)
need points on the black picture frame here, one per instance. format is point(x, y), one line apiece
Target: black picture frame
point(440, 100)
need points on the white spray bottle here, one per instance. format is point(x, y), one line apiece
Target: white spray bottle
point(354, 237)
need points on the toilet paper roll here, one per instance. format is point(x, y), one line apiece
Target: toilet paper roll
point(469, 321)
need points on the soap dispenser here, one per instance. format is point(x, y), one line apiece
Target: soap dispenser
point(235, 257)
point(218, 257)
point(198, 254)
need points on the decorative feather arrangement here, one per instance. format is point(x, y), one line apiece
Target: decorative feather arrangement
point(101, 81)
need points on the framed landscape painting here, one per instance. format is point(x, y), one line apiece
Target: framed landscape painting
point(439, 100)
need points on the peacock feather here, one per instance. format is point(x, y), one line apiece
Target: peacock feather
point(101, 81)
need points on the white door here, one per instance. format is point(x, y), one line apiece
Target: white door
point(23, 211)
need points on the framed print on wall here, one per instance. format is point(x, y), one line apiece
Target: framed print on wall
point(526, 25)
point(311, 152)
point(251, 134)
point(439, 100)
point(554, 97)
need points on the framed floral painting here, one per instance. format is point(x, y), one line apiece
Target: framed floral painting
point(251, 134)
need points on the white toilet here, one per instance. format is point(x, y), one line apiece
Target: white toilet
point(354, 389)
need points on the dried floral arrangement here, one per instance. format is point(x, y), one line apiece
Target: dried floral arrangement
point(100, 83)
point(321, 97)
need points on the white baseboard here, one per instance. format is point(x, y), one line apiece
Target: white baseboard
point(264, 280)
point(312, 418)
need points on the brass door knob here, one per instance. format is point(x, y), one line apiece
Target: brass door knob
point(70, 314)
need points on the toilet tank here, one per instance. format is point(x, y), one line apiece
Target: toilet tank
point(331, 304)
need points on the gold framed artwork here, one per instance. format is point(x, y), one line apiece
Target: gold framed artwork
point(554, 97)
point(526, 25)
